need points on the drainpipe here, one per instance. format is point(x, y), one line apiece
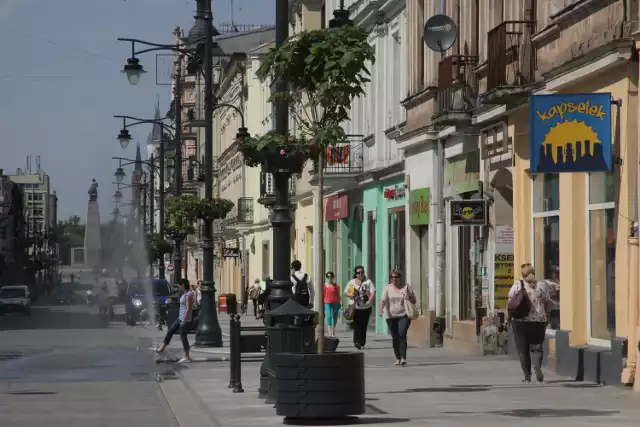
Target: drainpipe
point(440, 323)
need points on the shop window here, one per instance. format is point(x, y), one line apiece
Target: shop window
point(397, 240)
point(546, 238)
point(423, 236)
point(371, 259)
point(602, 249)
point(546, 192)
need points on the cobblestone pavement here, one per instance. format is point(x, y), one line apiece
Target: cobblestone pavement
point(439, 388)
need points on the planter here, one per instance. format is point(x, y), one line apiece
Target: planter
point(274, 162)
point(313, 386)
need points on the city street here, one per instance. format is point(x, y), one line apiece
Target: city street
point(62, 367)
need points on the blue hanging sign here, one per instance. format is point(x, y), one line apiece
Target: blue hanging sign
point(570, 133)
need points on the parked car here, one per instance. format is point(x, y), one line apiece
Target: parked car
point(137, 299)
point(64, 297)
point(15, 299)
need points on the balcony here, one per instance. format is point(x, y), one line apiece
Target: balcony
point(195, 117)
point(240, 215)
point(510, 62)
point(343, 163)
point(456, 95)
point(267, 189)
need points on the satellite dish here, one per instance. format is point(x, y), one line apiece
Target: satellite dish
point(440, 33)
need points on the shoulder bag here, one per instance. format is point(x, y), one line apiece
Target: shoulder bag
point(409, 307)
point(519, 306)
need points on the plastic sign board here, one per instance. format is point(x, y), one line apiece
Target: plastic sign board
point(570, 133)
point(468, 212)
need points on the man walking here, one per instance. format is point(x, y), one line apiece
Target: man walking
point(254, 294)
point(302, 285)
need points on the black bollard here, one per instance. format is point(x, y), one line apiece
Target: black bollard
point(237, 355)
point(234, 348)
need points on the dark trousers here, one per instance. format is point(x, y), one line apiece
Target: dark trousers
point(398, 328)
point(184, 330)
point(529, 337)
point(360, 324)
point(255, 306)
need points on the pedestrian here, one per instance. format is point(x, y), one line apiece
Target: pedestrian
point(362, 294)
point(332, 296)
point(395, 297)
point(245, 299)
point(254, 294)
point(302, 286)
point(528, 306)
point(102, 300)
point(182, 323)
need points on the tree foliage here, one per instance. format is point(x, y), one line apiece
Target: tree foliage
point(157, 247)
point(325, 70)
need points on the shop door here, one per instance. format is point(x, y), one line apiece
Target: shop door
point(396, 240)
point(371, 236)
point(464, 273)
point(423, 235)
point(265, 259)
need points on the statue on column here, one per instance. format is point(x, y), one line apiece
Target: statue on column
point(93, 190)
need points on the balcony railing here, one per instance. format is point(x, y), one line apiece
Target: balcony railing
point(267, 189)
point(456, 96)
point(195, 117)
point(344, 158)
point(510, 62)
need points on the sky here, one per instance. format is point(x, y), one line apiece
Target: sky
point(60, 84)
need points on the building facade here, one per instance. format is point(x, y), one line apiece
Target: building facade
point(13, 238)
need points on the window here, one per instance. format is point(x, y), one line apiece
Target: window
point(546, 238)
point(371, 236)
point(602, 248)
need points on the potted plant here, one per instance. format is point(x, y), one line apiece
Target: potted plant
point(157, 247)
point(324, 71)
point(183, 211)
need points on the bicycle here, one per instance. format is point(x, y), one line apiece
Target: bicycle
point(145, 319)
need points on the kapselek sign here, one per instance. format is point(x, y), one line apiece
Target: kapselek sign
point(570, 133)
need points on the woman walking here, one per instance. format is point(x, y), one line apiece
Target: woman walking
point(362, 294)
point(182, 323)
point(394, 298)
point(331, 303)
point(528, 306)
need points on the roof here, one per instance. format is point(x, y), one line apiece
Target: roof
point(245, 41)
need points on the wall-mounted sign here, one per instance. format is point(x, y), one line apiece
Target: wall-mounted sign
point(395, 192)
point(468, 212)
point(337, 207)
point(231, 252)
point(570, 133)
point(419, 206)
point(503, 279)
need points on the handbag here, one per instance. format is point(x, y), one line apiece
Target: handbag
point(409, 307)
point(349, 312)
point(519, 306)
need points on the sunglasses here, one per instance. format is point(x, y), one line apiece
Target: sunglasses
point(395, 277)
point(329, 276)
point(359, 272)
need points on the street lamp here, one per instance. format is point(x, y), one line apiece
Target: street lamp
point(117, 196)
point(133, 70)
point(124, 137)
point(119, 175)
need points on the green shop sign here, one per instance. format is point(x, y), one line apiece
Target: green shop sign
point(419, 208)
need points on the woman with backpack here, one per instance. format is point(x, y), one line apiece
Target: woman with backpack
point(528, 307)
point(362, 295)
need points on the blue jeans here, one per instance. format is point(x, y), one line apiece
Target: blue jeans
point(398, 327)
point(184, 330)
point(331, 313)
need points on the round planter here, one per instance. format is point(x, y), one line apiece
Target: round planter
point(313, 386)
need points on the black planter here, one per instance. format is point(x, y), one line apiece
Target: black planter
point(319, 387)
point(274, 162)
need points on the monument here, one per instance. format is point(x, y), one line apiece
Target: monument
point(92, 241)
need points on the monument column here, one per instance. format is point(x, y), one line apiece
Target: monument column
point(92, 240)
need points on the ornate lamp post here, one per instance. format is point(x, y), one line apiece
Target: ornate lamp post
point(160, 168)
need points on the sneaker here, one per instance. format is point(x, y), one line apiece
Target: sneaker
point(403, 362)
point(539, 374)
point(396, 363)
point(185, 360)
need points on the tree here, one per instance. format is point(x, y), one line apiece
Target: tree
point(324, 70)
point(70, 234)
point(157, 247)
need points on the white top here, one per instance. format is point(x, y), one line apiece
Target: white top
point(300, 276)
point(538, 296)
point(395, 299)
point(365, 291)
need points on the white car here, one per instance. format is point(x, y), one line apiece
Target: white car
point(15, 299)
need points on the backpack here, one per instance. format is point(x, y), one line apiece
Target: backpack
point(302, 290)
point(519, 306)
point(254, 292)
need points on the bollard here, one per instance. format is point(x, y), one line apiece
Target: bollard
point(238, 357)
point(234, 331)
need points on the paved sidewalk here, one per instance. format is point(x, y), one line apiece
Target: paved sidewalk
point(438, 388)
